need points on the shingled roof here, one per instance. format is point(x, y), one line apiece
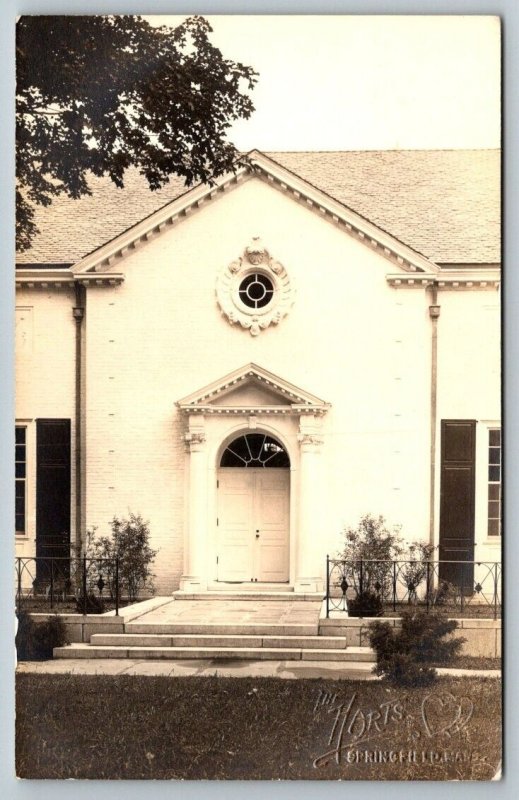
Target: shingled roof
point(445, 204)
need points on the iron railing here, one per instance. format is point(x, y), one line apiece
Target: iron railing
point(84, 583)
point(447, 585)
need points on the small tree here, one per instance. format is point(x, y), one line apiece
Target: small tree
point(414, 570)
point(404, 654)
point(369, 548)
point(129, 543)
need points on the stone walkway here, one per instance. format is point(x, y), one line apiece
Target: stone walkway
point(237, 668)
point(243, 612)
point(228, 668)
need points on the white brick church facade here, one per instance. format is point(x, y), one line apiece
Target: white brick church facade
point(253, 365)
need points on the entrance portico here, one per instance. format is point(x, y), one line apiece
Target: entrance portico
point(254, 485)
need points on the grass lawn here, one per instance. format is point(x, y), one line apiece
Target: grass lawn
point(472, 662)
point(452, 611)
point(70, 726)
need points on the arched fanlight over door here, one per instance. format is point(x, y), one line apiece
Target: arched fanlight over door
point(255, 450)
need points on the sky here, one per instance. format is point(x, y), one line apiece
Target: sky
point(348, 82)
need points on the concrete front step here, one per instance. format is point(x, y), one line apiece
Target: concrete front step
point(348, 654)
point(210, 640)
point(284, 595)
point(222, 629)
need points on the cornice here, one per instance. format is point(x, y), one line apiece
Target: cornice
point(256, 164)
point(59, 279)
point(452, 280)
point(254, 410)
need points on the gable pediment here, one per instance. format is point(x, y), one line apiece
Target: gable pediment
point(252, 389)
point(251, 393)
point(254, 165)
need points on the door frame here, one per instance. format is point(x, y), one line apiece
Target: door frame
point(287, 438)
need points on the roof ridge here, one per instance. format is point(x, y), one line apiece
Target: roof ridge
point(388, 150)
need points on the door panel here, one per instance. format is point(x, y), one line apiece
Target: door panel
point(272, 512)
point(235, 521)
point(253, 524)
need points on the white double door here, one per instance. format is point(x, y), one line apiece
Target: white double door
point(253, 524)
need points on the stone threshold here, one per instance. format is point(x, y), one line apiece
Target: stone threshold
point(249, 594)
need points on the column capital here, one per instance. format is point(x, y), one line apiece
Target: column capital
point(309, 435)
point(194, 439)
point(309, 439)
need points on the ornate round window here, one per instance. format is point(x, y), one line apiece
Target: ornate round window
point(254, 291)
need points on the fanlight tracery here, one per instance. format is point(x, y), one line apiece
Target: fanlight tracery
point(255, 450)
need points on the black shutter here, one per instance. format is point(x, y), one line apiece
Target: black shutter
point(457, 500)
point(53, 488)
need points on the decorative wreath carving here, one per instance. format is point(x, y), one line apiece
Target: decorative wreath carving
point(254, 291)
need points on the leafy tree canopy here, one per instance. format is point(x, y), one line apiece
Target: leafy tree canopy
point(102, 93)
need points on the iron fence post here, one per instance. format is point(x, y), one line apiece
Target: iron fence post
point(84, 584)
point(52, 583)
point(19, 587)
point(117, 586)
point(462, 585)
point(495, 590)
point(394, 585)
point(361, 583)
point(328, 590)
point(428, 585)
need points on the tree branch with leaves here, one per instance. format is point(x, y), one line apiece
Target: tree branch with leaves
point(99, 94)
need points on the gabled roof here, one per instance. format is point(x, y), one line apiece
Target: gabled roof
point(444, 205)
point(255, 164)
point(288, 398)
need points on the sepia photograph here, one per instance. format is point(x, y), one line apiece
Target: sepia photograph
point(258, 393)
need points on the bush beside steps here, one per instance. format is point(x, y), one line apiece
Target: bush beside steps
point(404, 654)
point(35, 641)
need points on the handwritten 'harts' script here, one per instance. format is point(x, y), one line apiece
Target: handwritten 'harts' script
point(353, 725)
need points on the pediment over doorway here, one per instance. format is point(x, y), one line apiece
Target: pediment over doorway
point(252, 389)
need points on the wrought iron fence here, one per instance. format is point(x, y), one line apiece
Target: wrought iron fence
point(85, 584)
point(447, 585)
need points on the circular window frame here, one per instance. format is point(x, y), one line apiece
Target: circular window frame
point(255, 260)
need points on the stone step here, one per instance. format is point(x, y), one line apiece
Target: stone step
point(348, 654)
point(222, 629)
point(286, 595)
point(210, 640)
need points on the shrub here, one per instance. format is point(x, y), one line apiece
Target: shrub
point(369, 551)
point(91, 604)
point(444, 594)
point(403, 654)
point(414, 570)
point(129, 542)
point(369, 548)
point(35, 641)
point(365, 604)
